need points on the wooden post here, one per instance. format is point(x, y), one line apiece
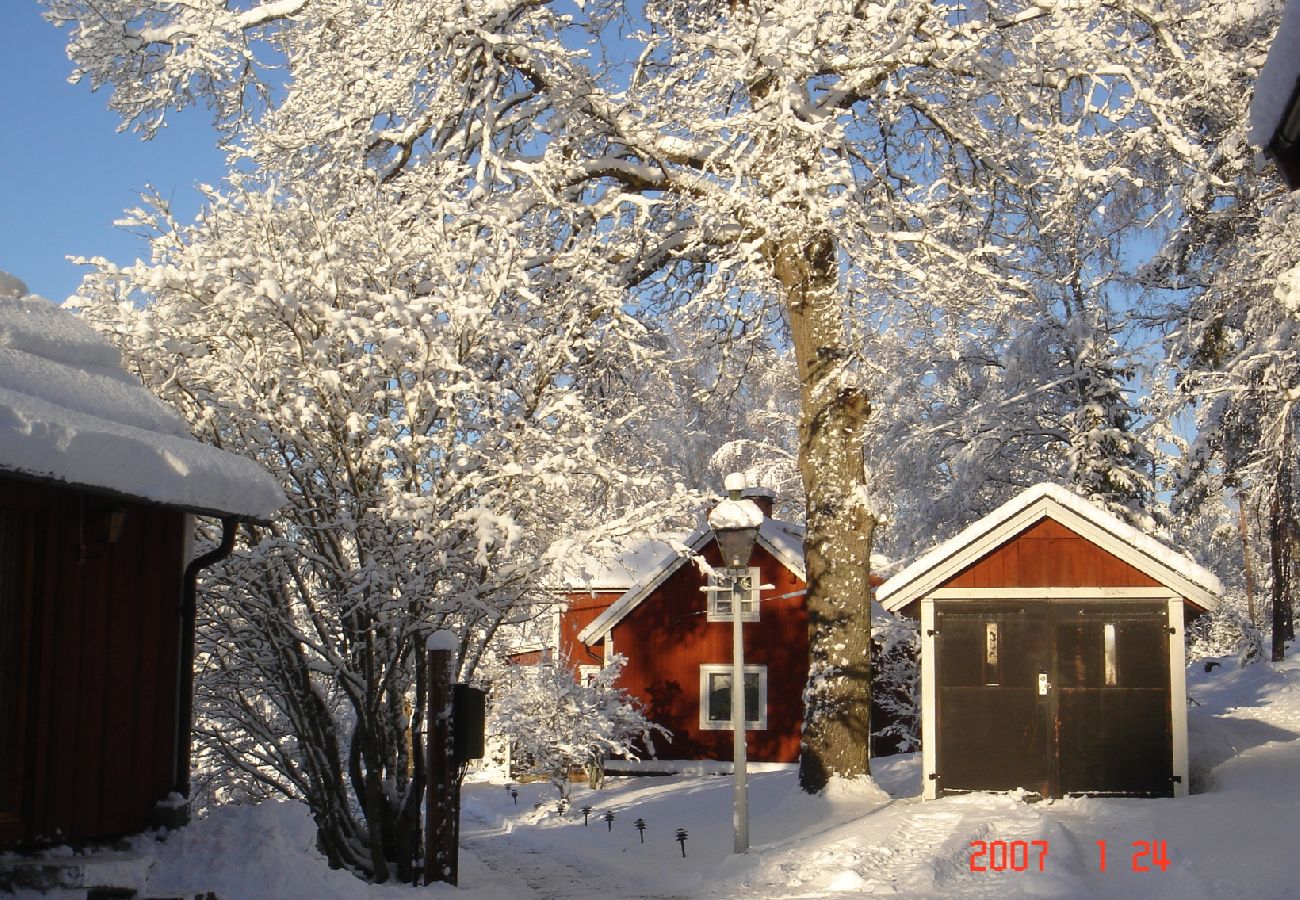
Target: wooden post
point(442, 797)
point(1281, 512)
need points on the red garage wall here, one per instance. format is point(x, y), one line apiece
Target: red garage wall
point(1047, 554)
point(668, 637)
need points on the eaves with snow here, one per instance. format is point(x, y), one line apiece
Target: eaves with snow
point(1275, 107)
point(70, 414)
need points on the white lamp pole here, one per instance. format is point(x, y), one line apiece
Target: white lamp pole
point(735, 523)
point(739, 753)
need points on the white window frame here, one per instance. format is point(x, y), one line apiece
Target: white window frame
point(719, 588)
point(707, 724)
point(586, 674)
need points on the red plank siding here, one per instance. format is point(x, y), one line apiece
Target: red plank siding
point(583, 609)
point(102, 675)
point(668, 637)
point(1047, 554)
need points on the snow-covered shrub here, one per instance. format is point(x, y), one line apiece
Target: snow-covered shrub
point(1224, 632)
point(896, 685)
point(555, 724)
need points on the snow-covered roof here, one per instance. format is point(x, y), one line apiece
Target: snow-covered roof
point(1172, 569)
point(69, 413)
point(1277, 79)
point(784, 540)
point(615, 570)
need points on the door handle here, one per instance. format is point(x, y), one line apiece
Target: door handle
point(1043, 685)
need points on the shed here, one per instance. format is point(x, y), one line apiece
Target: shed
point(1052, 652)
point(99, 482)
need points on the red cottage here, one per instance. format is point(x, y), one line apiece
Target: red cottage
point(99, 482)
point(677, 642)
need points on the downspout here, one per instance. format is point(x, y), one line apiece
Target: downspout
point(185, 697)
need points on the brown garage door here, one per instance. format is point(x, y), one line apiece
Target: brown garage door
point(1056, 698)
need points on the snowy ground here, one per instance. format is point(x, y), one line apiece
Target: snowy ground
point(1238, 837)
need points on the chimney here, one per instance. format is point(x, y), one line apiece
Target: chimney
point(764, 498)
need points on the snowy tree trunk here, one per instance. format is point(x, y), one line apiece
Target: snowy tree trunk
point(837, 549)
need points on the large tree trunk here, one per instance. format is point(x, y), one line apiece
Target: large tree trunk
point(837, 548)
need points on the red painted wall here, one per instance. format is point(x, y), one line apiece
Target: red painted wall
point(1047, 554)
point(98, 679)
point(668, 637)
point(583, 608)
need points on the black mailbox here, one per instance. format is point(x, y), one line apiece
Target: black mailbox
point(469, 720)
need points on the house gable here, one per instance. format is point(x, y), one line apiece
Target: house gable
point(783, 541)
point(1048, 554)
point(1050, 539)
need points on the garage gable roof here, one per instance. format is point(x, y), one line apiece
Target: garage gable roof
point(784, 540)
point(1175, 571)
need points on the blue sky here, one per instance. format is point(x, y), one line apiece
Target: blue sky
point(65, 172)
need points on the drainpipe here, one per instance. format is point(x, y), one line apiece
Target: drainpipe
point(185, 697)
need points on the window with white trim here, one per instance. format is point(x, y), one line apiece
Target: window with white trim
point(720, 594)
point(587, 674)
point(715, 698)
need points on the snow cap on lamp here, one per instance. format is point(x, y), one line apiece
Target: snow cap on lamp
point(735, 522)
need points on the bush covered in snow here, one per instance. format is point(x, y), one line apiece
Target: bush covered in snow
point(555, 724)
point(896, 684)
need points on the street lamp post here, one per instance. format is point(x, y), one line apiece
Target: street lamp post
point(735, 522)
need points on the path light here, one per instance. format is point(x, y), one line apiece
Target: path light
point(680, 837)
point(563, 806)
point(735, 523)
point(586, 811)
point(514, 795)
point(640, 826)
point(609, 820)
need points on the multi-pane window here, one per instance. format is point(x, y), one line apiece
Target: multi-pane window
point(720, 594)
point(716, 697)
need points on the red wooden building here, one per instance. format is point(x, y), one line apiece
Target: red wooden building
point(677, 642)
point(99, 482)
point(1052, 638)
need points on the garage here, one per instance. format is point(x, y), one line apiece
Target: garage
point(1052, 652)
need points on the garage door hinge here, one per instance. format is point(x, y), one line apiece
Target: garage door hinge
point(1177, 778)
point(934, 776)
point(1173, 630)
point(932, 631)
